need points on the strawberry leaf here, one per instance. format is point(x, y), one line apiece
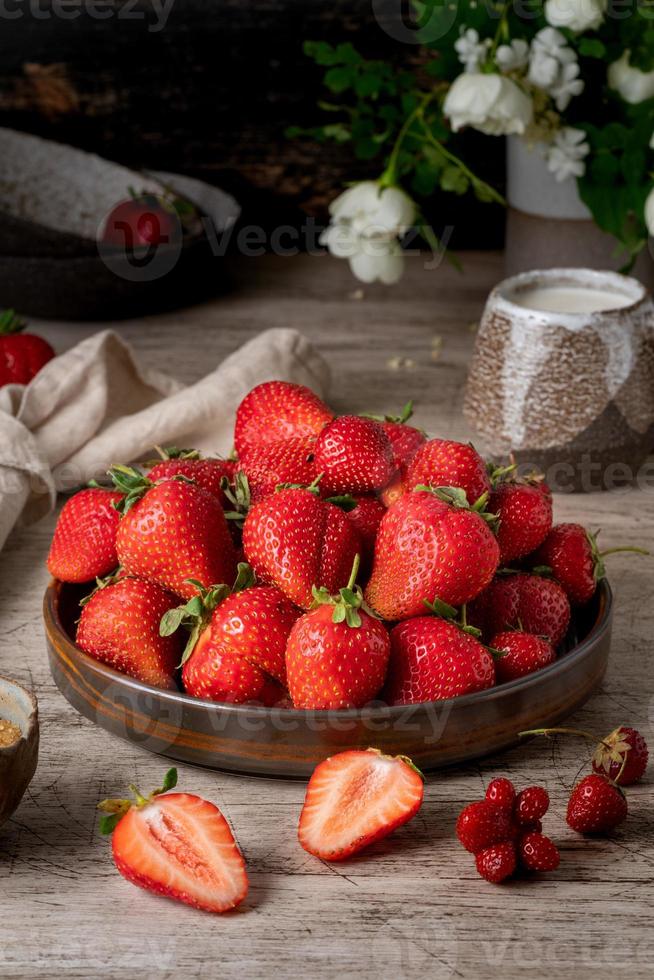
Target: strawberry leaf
point(109, 822)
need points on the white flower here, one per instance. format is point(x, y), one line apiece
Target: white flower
point(510, 57)
point(567, 85)
point(632, 84)
point(565, 156)
point(470, 49)
point(649, 212)
point(367, 222)
point(577, 15)
point(553, 67)
point(492, 104)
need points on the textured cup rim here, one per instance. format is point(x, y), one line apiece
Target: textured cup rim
point(504, 291)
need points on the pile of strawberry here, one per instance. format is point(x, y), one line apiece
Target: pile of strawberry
point(504, 831)
point(331, 562)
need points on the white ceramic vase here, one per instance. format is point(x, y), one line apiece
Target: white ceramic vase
point(549, 226)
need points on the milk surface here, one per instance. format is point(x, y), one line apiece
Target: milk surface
point(570, 299)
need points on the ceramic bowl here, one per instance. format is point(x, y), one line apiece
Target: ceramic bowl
point(290, 743)
point(570, 394)
point(17, 761)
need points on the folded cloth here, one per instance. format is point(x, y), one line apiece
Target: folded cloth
point(95, 405)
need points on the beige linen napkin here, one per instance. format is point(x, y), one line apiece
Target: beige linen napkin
point(95, 405)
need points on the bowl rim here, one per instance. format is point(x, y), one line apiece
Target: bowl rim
point(32, 719)
point(55, 629)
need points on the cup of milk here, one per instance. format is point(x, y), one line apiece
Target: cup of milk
point(563, 376)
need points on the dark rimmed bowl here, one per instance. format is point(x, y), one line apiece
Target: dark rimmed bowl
point(290, 743)
point(17, 761)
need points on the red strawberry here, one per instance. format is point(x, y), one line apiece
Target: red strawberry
point(268, 465)
point(538, 853)
point(354, 455)
point(249, 623)
point(596, 805)
point(22, 355)
point(366, 517)
point(427, 548)
point(295, 540)
point(405, 439)
point(497, 863)
point(529, 603)
point(356, 798)
point(575, 559)
point(531, 804)
point(523, 653)
point(119, 626)
point(525, 517)
point(501, 791)
point(84, 542)
point(609, 758)
point(336, 656)
point(177, 845)
point(140, 221)
point(433, 659)
point(443, 463)
point(482, 824)
point(171, 532)
point(278, 410)
point(207, 473)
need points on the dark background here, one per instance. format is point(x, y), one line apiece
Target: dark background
point(211, 95)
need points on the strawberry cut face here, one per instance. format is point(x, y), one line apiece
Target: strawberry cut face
point(181, 847)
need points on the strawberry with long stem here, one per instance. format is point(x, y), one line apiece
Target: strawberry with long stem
point(621, 756)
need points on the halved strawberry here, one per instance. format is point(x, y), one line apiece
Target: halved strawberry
point(177, 845)
point(355, 798)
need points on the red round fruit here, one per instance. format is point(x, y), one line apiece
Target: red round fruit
point(610, 755)
point(483, 824)
point(523, 653)
point(497, 863)
point(525, 517)
point(501, 792)
point(538, 853)
point(596, 806)
point(531, 804)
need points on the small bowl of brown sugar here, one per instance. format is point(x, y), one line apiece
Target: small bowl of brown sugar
point(19, 744)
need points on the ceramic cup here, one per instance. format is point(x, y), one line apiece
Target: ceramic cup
point(568, 388)
point(17, 761)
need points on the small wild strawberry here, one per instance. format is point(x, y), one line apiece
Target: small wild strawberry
point(501, 791)
point(596, 806)
point(537, 852)
point(498, 862)
point(531, 804)
point(482, 824)
point(622, 756)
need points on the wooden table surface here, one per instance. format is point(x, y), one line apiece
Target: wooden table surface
point(413, 905)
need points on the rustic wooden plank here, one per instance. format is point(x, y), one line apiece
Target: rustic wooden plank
point(414, 904)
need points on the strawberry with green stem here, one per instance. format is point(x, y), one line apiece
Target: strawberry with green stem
point(248, 622)
point(571, 553)
point(621, 756)
point(22, 355)
point(337, 653)
point(207, 472)
point(430, 543)
point(295, 540)
point(171, 532)
point(444, 463)
point(405, 439)
point(176, 845)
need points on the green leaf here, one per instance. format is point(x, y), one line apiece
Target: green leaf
point(321, 52)
point(453, 179)
point(339, 614)
point(347, 54)
point(170, 780)
point(591, 47)
point(171, 621)
point(339, 79)
point(368, 84)
point(109, 822)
